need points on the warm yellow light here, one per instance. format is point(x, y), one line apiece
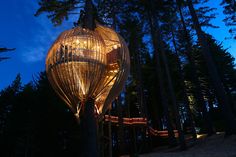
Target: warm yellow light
point(86, 64)
point(115, 46)
point(201, 135)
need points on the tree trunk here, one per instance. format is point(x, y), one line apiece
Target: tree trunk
point(138, 75)
point(110, 136)
point(142, 107)
point(120, 127)
point(89, 130)
point(101, 141)
point(88, 21)
point(171, 90)
point(231, 101)
point(88, 121)
point(133, 151)
point(185, 96)
point(210, 102)
point(198, 89)
point(169, 83)
point(163, 96)
point(218, 86)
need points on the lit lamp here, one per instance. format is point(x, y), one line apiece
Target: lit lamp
point(88, 69)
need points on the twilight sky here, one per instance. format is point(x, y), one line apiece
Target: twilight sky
point(32, 37)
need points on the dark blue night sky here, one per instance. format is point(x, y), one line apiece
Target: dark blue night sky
point(32, 37)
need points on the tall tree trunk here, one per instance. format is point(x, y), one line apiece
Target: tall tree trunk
point(121, 140)
point(113, 14)
point(138, 76)
point(142, 109)
point(120, 127)
point(231, 101)
point(109, 134)
point(218, 86)
point(198, 89)
point(185, 96)
point(169, 82)
point(163, 96)
point(133, 151)
point(210, 102)
point(101, 143)
point(88, 121)
point(88, 21)
point(171, 89)
point(89, 130)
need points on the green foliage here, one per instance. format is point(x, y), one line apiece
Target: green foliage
point(58, 10)
point(230, 16)
point(35, 122)
point(136, 20)
point(226, 67)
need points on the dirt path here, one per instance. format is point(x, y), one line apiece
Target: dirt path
point(214, 146)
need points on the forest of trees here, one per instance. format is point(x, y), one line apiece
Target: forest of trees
point(181, 79)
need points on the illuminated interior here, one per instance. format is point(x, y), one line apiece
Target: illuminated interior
point(84, 64)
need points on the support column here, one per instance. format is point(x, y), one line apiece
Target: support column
point(110, 136)
point(89, 130)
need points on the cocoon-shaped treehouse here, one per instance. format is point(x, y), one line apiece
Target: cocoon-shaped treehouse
point(83, 64)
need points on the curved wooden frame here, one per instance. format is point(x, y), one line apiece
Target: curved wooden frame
point(83, 64)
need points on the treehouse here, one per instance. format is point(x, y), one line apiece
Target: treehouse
point(85, 64)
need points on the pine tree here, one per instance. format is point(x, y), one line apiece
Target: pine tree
point(230, 15)
point(8, 101)
point(217, 83)
point(188, 51)
point(158, 53)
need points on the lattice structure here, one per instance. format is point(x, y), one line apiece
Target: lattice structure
point(85, 64)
